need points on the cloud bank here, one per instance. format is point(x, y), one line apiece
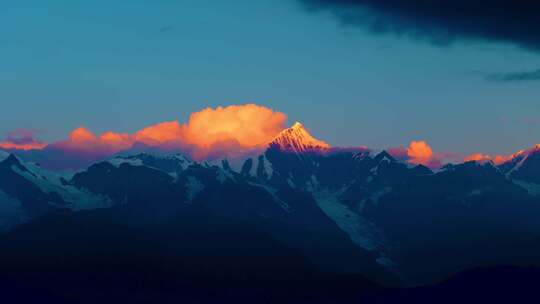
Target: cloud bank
point(222, 132)
point(212, 132)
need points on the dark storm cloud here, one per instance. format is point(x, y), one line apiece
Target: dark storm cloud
point(442, 22)
point(533, 75)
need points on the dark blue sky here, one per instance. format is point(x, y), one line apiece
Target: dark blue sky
point(123, 65)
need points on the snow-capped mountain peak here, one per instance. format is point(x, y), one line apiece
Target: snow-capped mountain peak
point(297, 139)
point(13, 161)
point(3, 155)
point(524, 165)
point(297, 125)
point(517, 159)
point(167, 163)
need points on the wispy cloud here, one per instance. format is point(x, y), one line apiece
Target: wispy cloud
point(532, 75)
point(166, 28)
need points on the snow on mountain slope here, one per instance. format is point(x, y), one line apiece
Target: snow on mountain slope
point(515, 161)
point(119, 160)
point(223, 175)
point(523, 165)
point(273, 192)
point(361, 231)
point(3, 155)
point(49, 182)
point(267, 166)
point(375, 197)
point(532, 188)
point(194, 186)
point(259, 166)
point(250, 166)
point(166, 163)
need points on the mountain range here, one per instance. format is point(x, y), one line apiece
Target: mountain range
point(344, 211)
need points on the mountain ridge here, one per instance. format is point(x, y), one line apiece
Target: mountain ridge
point(371, 208)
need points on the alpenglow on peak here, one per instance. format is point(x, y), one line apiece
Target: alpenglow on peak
point(298, 139)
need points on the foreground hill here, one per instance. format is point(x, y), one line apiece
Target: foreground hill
point(116, 256)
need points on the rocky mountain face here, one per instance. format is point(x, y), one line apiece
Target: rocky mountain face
point(524, 166)
point(345, 211)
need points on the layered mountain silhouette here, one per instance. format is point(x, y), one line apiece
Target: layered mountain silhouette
point(337, 211)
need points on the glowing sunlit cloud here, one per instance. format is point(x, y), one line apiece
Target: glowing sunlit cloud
point(501, 159)
point(22, 139)
point(479, 157)
point(496, 159)
point(249, 125)
point(419, 152)
point(162, 133)
point(212, 132)
point(116, 141)
point(232, 130)
point(82, 140)
point(25, 147)
point(82, 135)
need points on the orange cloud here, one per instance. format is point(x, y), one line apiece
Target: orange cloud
point(219, 132)
point(82, 135)
point(244, 127)
point(22, 139)
point(497, 159)
point(419, 152)
point(82, 140)
point(165, 132)
point(500, 159)
point(25, 147)
point(478, 157)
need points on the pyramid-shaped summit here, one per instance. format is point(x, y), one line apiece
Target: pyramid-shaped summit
point(297, 139)
point(524, 165)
